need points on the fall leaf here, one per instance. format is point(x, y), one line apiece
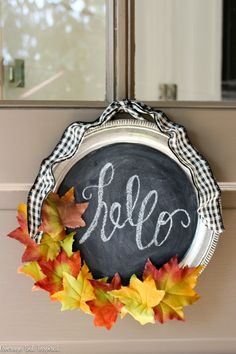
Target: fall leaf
point(52, 224)
point(67, 244)
point(76, 291)
point(33, 270)
point(61, 212)
point(178, 284)
point(32, 251)
point(49, 248)
point(70, 211)
point(54, 270)
point(105, 307)
point(139, 299)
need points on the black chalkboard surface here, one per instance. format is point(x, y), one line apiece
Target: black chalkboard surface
point(141, 205)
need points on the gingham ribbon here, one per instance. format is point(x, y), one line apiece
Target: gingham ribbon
point(208, 191)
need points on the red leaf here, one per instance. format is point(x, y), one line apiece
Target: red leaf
point(54, 271)
point(105, 307)
point(178, 284)
point(61, 212)
point(32, 252)
point(71, 212)
point(114, 285)
point(106, 313)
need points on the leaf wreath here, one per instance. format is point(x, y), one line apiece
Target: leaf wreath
point(160, 295)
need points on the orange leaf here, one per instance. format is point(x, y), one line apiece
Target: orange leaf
point(52, 224)
point(76, 291)
point(139, 299)
point(178, 284)
point(32, 251)
point(105, 307)
point(61, 212)
point(53, 271)
point(33, 270)
point(71, 212)
point(49, 248)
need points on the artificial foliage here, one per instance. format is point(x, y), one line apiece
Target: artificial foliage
point(160, 295)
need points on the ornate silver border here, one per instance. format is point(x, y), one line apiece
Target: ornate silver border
point(147, 133)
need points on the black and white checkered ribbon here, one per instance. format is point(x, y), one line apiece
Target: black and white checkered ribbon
point(208, 191)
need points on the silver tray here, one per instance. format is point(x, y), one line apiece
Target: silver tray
point(145, 133)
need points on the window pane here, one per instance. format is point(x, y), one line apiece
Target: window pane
point(180, 48)
point(53, 49)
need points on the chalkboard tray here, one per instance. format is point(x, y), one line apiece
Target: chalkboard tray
point(142, 200)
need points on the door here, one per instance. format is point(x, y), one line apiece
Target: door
point(32, 125)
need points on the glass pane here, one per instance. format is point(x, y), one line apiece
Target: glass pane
point(185, 50)
point(53, 49)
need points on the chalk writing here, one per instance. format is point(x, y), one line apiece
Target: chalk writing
point(112, 214)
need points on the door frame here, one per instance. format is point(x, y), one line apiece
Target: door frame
point(120, 84)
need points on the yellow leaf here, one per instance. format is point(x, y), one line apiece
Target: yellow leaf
point(33, 270)
point(67, 244)
point(139, 299)
point(49, 248)
point(178, 284)
point(52, 223)
point(61, 212)
point(76, 292)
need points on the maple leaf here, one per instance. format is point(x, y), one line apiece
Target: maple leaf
point(105, 307)
point(32, 251)
point(76, 291)
point(61, 212)
point(139, 299)
point(67, 244)
point(178, 284)
point(53, 271)
point(49, 248)
point(33, 270)
point(52, 224)
point(70, 211)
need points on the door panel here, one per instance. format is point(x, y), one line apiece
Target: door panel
point(30, 134)
point(26, 137)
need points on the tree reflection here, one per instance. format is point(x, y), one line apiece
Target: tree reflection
point(55, 36)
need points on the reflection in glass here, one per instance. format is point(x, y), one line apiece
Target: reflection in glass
point(185, 50)
point(61, 45)
point(229, 50)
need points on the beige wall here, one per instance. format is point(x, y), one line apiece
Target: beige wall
point(27, 136)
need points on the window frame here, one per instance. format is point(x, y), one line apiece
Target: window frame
point(120, 68)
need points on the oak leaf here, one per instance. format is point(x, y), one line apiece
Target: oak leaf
point(139, 299)
point(177, 283)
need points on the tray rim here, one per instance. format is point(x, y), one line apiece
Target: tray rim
point(205, 240)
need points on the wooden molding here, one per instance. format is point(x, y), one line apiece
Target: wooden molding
point(11, 194)
point(227, 186)
point(43, 104)
point(132, 346)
